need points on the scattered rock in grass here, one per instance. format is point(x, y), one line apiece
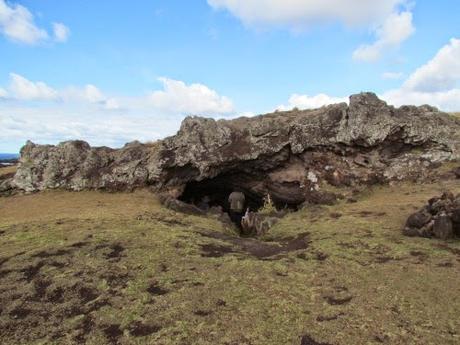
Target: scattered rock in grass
point(440, 218)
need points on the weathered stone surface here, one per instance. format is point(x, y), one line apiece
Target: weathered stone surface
point(418, 219)
point(442, 227)
point(286, 154)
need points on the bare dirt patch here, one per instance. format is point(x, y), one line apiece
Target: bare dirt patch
point(308, 340)
point(156, 290)
point(254, 247)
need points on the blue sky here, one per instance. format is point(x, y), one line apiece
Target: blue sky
point(111, 71)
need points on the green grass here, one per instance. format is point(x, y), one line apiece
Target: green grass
point(402, 290)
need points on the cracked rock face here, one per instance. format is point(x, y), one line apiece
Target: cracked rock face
point(286, 154)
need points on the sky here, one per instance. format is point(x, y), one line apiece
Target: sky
point(110, 72)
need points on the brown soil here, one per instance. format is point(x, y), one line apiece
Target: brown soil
point(37, 302)
point(253, 247)
point(307, 340)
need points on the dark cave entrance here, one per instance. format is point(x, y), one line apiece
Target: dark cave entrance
point(214, 192)
point(217, 192)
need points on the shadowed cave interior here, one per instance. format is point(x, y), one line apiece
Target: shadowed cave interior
point(218, 189)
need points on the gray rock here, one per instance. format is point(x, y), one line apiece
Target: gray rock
point(442, 227)
point(418, 219)
point(270, 154)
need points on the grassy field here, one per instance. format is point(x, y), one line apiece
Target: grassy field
point(100, 268)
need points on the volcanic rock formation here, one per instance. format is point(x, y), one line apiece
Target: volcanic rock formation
point(288, 155)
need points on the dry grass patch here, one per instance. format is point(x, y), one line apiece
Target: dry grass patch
point(101, 268)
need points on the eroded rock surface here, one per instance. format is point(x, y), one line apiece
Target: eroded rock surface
point(288, 155)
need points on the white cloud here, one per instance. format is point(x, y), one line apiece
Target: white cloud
point(51, 125)
point(87, 113)
point(24, 89)
point(192, 99)
point(434, 83)
point(397, 28)
point(441, 73)
point(297, 14)
point(3, 93)
point(61, 32)
point(445, 100)
point(112, 104)
point(392, 75)
point(18, 24)
point(311, 102)
point(176, 96)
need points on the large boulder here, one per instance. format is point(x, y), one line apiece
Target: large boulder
point(418, 219)
point(288, 155)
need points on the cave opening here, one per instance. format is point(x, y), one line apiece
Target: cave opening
point(215, 192)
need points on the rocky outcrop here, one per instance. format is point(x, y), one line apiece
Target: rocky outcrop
point(288, 155)
point(440, 218)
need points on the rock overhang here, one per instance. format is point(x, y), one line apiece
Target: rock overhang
point(327, 142)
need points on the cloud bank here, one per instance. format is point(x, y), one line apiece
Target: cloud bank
point(17, 23)
point(36, 111)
